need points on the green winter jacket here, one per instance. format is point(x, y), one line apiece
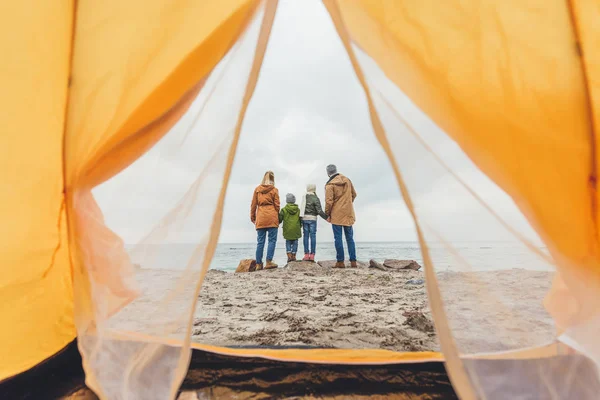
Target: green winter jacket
point(290, 216)
point(313, 206)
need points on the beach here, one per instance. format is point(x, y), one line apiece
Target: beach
point(304, 304)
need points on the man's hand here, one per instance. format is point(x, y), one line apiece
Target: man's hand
point(329, 219)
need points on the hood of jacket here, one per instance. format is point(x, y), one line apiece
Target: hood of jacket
point(264, 189)
point(338, 180)
point(292, 209)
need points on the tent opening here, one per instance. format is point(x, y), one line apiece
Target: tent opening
point(448, 136)
point(309, 110)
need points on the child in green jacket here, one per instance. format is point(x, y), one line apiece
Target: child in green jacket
point(292, 226)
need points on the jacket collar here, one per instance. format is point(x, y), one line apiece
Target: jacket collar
point(332, 176)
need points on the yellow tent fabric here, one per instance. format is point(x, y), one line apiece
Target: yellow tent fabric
point(507, 82)
point(481, 72)
point(93, 85)
point(118, 110)
point(35, 276)
point(115, 94)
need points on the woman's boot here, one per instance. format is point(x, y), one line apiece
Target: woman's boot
point(307, 257)
point(270, 265)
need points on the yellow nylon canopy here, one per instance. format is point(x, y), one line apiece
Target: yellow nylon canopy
point(133, 64)
point(89, 89)
point(507, 82)
point(35, 276)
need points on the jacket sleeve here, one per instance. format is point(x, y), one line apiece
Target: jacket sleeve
point(320, 209)
point(353, 191)
point(253, 207)
point(328, 199)
point(281, 216)
point(276, 200)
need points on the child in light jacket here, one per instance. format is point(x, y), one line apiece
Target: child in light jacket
point(310, 210)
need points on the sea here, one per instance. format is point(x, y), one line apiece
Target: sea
point(475, 256)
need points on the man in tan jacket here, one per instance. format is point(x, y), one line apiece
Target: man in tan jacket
point(339, 199)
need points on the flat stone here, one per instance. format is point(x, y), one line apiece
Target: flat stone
point(402, 264)
point(301, 264)
point(246, 266)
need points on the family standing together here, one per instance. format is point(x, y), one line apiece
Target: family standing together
point(266, 214)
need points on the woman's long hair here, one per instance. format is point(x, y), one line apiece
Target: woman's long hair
point(269, 178)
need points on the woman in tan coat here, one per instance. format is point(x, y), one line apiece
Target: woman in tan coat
point(264, 214)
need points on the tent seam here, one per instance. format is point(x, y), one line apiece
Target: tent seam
point(59, 244)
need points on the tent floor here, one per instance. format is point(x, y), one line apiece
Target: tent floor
point(216, 376)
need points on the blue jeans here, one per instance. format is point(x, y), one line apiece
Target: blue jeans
point(291, 246)
point(339, 245)
point(261, 234)
point(310, 236)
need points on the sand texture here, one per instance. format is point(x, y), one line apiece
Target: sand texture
point(305, 304)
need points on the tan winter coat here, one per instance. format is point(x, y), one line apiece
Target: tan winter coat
point(339, 199)
point(264, 211)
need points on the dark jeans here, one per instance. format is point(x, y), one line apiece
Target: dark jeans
point(310, 236)
point(291, 246)
point(339, 245)
point(261, 234)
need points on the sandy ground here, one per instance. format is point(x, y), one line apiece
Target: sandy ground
point(308, 305)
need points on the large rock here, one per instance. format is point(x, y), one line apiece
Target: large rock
point(246, 266)
point(402, 264)
point(331, 263)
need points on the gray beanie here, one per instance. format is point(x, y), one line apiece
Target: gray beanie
point(331, 169)
point(290, 198)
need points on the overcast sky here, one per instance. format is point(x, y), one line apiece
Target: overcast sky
point(308, 111)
